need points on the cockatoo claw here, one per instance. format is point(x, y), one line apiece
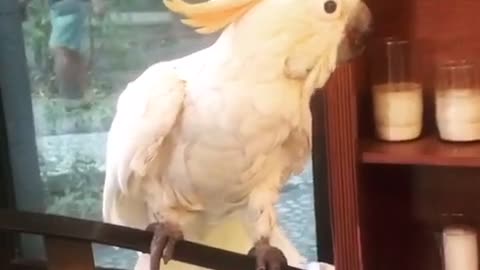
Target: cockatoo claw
point(165, 236)
point(268, 257)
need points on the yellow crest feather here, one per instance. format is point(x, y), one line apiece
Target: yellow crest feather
point(211, 16)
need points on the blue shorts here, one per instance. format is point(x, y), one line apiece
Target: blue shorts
point(70, 25)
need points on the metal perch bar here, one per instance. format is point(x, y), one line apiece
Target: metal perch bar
point(96, 232)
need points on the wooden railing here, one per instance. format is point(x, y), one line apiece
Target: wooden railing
point(68, 242)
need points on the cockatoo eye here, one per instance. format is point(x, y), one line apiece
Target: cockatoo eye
point(330, 6)
point(327, 10)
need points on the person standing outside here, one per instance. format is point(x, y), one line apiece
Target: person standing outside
point(70, 45)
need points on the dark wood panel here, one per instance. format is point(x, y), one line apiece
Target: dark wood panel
point(69, 254)
point(428, 150)
point(342, 151)
point(434, 20)
point(320, 180)
point(402, 204)
point(438, 30)
point(404, 209)
point(97, 232)
point(387, 223)
point(23, 264)
point(442, 192)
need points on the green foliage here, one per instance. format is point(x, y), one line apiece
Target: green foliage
point(105, 37)
point(114, 47)
point(82, 196)
point(116, 50)
point(110, 42)
point(37, 30)
point(139, 5)
point(52, 118)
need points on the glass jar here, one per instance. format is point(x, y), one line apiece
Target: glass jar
point(459, 248)
point(397, 97)
point(457, 101)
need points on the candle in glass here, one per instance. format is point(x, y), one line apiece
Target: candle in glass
point(397, 98)
point(460, 248)
point(457, 101)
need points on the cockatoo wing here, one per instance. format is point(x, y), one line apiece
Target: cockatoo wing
point(147, 111)
point(297, 147)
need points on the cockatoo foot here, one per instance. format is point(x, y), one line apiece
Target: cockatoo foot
point(268, 257)
point(165, 236)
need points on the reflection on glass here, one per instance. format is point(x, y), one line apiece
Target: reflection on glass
point(81, 55)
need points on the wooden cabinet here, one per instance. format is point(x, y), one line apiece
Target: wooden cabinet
point(389, 201)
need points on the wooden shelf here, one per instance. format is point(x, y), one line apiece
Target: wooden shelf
point(424, 151)
point(394, 224)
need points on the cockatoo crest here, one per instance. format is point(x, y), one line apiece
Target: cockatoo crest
point(326, 27)
point(210, 16)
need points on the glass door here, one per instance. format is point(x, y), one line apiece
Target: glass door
point(64, 64)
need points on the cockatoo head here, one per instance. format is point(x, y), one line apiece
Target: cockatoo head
point(357, 29)
point(328, 31)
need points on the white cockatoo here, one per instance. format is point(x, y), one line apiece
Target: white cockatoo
point(201, 146)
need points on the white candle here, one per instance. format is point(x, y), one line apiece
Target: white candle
point(458, 114)
point(460, 248)
point(398, 110)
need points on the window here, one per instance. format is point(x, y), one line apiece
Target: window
point(57, 124)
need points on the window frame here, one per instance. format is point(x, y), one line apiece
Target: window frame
point(19, 170)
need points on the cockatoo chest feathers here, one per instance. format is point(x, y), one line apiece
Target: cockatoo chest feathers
point(228, 139)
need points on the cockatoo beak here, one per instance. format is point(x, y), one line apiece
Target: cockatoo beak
point(357, 31)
